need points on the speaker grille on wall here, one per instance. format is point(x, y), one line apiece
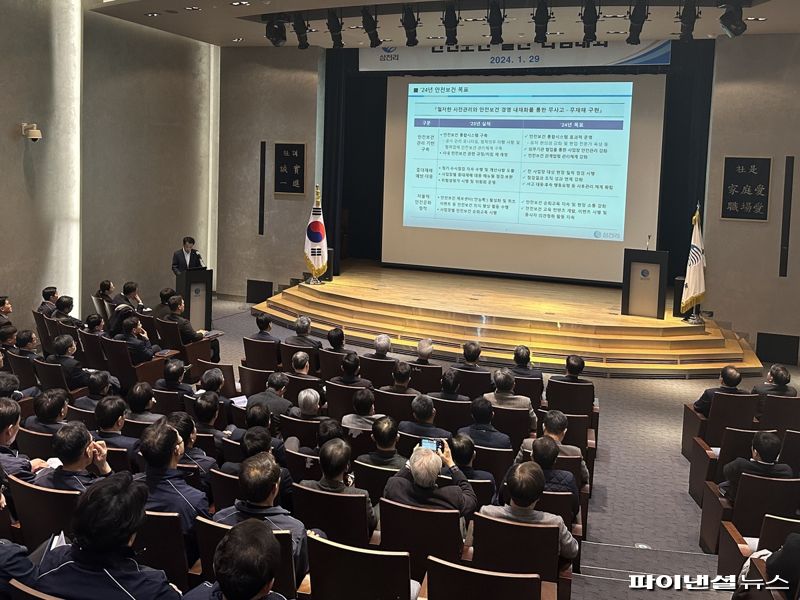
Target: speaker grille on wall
point(777, 348)
point(258, 291)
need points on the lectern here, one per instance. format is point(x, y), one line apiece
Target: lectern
point(195, 287)
point(644, 283)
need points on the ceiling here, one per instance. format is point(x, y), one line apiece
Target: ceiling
point(236, 22)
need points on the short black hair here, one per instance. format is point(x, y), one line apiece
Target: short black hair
point(183, 424)
point(105, 285)
point(109, 513)
point(472, 351)
point(575, 364)
point(246, 560)
point(9, 383)
point(780, 374)
point(384, 430)
point(525, 483)
point(212, 379)
point(263, 321)
point(482, 411)
point(277, 380)
point(350, 363)
point(70, 442)
point(49, 292)
point(129, 324)
point(503, 380)
point(92, 321)
point(336, 337)
point(62, 343)
point(174, 302)
point(462, 448)
point(157, 443)
point(402, 372)
point(450, 381)
point(422, 407)
point(188, 240)
point(49, 404)
point(256, 439)
point(173, 370)
point(257, 414)
point(730, 376)
point(522, 356)
point(109, 410)
point(768, 445)
point(129, 288)
point(3, 300)
point(363, 401)
point(7, 332)
point(258, 477)
point(329, 429)
point(555, 422)
point(24, 338)
point(9, 412)
point(206, 407)
point(65, 304)
point(334, 457)
point(165, 294)
point(545, 452)
point(139, 396)
point(99, 382)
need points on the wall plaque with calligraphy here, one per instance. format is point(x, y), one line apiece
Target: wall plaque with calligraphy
point(745, 188)
point(290, 168)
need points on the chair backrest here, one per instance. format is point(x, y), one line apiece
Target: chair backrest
point(452, 581)
point(159, 544)
point(360, 440)
point(149, 324)
point(406, 443)
point(397, 406)
point(341, 516)
point(474, 383)
point(229, 387)
point(378, 370)
point(168, 402)
point(514, 547)
point(372, 478)
point(775, 530)
point(100, 308)
point(426, 378)
point(381, 575)
point(239, 416)
point(191, 474)
point(303, 430)
point(118, 459)
point(52, 327)
point(330, 363)
point(340, 399)
point(42, 512)
point(22, 367)
point(119, 361)
point(25, 409)
point(781, 413)
point(496, 461)
point(93, 356)
point(224, 488)
point(84, 416)
point(729, 410)
point(514, 422)
point(134, 429)
point(736, 443)
point(570, 397)
point(303, 466)
point(70, 330)
point(297, 384)
point(44, 333)
point(261, 354)
point(253, 381)
point(110, 308)
point(483, 488)
point(757, 496)
point(577, 431)
point(169, 334)
point(206, 443)
point(568, 463)
point(20, 591)
point(532, 387)
point(34, 444)
point(452, 415)
point(402, 524)
point(289, 350)
point(558, 503)
point(790, 451)
point(232, 451)
point(50, 375)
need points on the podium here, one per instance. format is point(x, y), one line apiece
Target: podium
point(195, 287)
point(644, 283)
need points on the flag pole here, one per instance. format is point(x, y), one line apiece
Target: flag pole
point(695, 318)
point(312, 280)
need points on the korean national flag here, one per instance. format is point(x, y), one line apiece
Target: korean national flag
point(316, 244)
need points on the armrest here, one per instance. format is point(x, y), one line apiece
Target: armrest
point(694, 425)
point(78, 392)
point(150, 371)
point(702, 468)
point(201, 349)
point(733, 550)
point(715, 511)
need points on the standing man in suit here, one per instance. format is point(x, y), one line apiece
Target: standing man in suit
point(130, 296)
point(49, 297)
point(729, 379)
point(5, 311)
point(186, 258)
point(188, 334)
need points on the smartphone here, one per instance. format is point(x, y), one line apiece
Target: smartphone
point(432, 444)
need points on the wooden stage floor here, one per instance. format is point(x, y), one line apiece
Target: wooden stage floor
point(552, 319)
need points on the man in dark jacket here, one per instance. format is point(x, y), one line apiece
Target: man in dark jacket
point(272, 397)
point(729, 379)
point(135, 337)
point(187, 332)
point(545, 453)
point(482, 432)
point(385, 436)
point(74, 447)
point(424, 414)
point(50, 411)
point(766, 448)
point(63, 349)
point(110, 417)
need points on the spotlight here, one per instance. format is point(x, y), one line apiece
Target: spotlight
point(370, 25)
point(637, 18)
point(495, 18)
point(301, 30)
point(335, 28)
point(688, 14)
point(732, 22)
point(276, 31)
point(589, 16)
point(409, 22)
point(450, 21)
point(541, 18)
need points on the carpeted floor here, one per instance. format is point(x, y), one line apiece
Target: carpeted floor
point(641, 518)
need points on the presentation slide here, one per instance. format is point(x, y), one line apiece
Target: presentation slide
point(548, 159)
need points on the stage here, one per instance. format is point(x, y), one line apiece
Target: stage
point(552, 319)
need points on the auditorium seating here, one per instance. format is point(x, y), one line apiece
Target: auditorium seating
point(134, 429)
point(494, 460)
point(426, 378)
point(514, 422)
point(44, 333)
point(84, 416)
point(93, 355)
point(483, 488)
point(100, 308)
point(297, 384)
point(303, 430)
point(342, 517)
point(360, 440)
point(252, 381)
point(377, 370)
point(372, 479)
point(288, 351)
point(20, 591)
point(532, 387)
point(42, 512)
point(727, 410)
point(735, 548)
point(168, 402)
point(149, 324)
point(790, 451)
point(229, 389)
point(453, 581)
point(397, 406)
point(224, 488)
point(330, 364)
point(452, 415)
point(51, 377)
point(23, 368)
point(260, 354)
point(781, 413)
point(159, 544)
point(474, 383)
point(232, 451)
point(339, 399)
point(238, 416)
point(34, 444)
point(303, 466)
point(118, 459)
point(205, 441)
point(189, 353)
point(573, 399)
point(120, 365)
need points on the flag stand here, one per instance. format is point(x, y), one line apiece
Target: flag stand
point(695, 318)
point(314, 281)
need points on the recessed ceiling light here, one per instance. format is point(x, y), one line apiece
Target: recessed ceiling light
point(193, 8)
point(617, 32)
point(387, 40)
point(356, 27)
point(473, 19)
point(605, 16)
point(555, 33)
point(312, 30)
point(756, 19)
point(237, 40)
point(152, 14)
point(435, 37)
point(240, 3)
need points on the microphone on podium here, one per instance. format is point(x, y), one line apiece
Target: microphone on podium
point(648, 242)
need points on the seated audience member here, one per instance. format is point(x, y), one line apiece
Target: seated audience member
point(246, 562)
point(574, 368)
point(6, 309)
point(336, 339)
point(130, 297)
point(168, 491)
point(383, 345)
point(48, 305)
point(50, 412)
point(555, 427)
point(504, 395)
point(472, 353)
point(213, 380)
point(766, 448)
point(141, 402)
point(95, 325)
point(729, 379)
point(9, 388)
point(785, 563)
point(100, 563)
point(259, 416)
point(28, 344)
point(415, 483)
point(8, 340)
point(110, 417)
point(184, 425)
point(99, 387)
point(135, 337)
point(161, 310)
point(522, 364)
point(64, 306)
point(308, 403)
point(185, 329)
point(385, 436)
point(777, 384)
point(302, 328)
point(329, 429)
point(206, 411)
point(272, 397)
point(259, 486)
point(106, 291)
point(545, 453)
point(264, 324)
point(363, 415)
point(174, 371)
point(424, 351)
point(525, 484)
point(11, 461)
point(74, 447)
point(424, 414)
point(334, 459)
point(462, 449)
point(450, 385)
point(401, 377)
point(482, 432)
point(63, 350)
point(351, 367)
point(301, 366)
point(14, 564)
point(121, 312)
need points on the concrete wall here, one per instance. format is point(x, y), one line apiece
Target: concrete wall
point(272, 95)
point(755, 112)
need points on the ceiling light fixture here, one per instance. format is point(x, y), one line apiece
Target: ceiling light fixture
point(688, 13)
point(370, 24)
point(151, 14)
point(450, 20)
point(300, 30)
point(335, 28)
point(409, 21)
point(496, 17)
point(276, 31)
point(731, 20)
point(541, 17)
point(637, 15)
point(589, 15)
